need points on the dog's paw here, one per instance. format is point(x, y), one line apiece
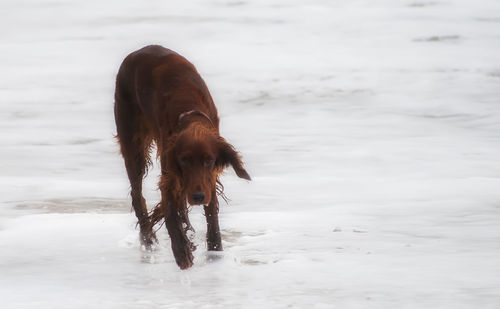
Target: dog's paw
point(148, 240)
point(183, 257)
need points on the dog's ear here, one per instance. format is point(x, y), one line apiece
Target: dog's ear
point(227, 155)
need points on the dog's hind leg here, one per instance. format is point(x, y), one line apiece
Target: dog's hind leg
point(135, 144)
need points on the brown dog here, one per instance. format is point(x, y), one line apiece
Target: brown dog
point(161, 98)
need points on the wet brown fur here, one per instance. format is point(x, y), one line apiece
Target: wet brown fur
point(154, 87)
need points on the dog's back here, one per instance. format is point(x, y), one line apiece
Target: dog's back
point(159, 85)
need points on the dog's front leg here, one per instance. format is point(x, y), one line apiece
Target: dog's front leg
point(214, 242)
point(185, 219)
point(181, 246)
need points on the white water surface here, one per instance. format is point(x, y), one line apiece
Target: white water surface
point(371, 130)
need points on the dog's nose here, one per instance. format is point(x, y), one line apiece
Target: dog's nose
point(198, 197)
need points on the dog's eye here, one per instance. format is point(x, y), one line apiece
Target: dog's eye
point(184, 162)
point(209, 162)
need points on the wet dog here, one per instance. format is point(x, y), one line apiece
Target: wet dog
point(160, 98)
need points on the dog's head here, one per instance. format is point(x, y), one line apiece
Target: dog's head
point(197, 156)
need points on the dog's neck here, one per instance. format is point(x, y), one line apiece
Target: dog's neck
point(193, 112)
